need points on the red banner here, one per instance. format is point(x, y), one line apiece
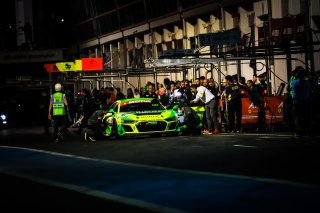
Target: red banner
point(92, 64)
point(51, 68)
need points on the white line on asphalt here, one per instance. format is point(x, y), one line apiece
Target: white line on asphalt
point(244, 146)
point(268, 137)
point(97, 193)
point(214, 174)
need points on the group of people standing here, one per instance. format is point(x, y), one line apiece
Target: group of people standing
point(184, 94)
point(202, 92)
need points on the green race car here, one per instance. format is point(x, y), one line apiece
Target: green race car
point(138, 116)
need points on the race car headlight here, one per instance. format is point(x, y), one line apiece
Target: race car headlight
point(3, 117)
point(171, 119)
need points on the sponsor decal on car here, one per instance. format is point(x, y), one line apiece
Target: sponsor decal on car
point(134, 102)
point(149, 116)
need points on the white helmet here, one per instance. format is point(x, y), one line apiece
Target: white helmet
point(57, 87)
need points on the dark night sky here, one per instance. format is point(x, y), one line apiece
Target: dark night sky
point(7, 18)
point(58, 9)
point(7, 14)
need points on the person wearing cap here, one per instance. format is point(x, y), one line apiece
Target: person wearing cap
point(204, 95)
point(59, 112)
point(191, 120)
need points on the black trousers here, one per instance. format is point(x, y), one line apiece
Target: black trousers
point(96, 130)
point(301, 111)
point(59, 124)
point(234, 116)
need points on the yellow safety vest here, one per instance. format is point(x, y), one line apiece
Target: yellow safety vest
point(58, 103)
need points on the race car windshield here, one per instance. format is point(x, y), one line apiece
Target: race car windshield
point(134, 106)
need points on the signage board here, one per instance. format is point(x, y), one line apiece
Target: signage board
point(66, 66)
point(92, 64)
point(51, 68)
point(221, 38)
point(78, 65)
point(180, 52)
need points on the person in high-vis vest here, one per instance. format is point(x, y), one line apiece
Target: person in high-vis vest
point(59, 112)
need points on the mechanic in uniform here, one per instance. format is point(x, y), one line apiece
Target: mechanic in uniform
point(234, 105)
point(95, 127)
point(191, 120)
point(59, 112)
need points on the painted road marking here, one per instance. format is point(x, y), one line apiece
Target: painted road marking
point(157, 188)
point(239, 145)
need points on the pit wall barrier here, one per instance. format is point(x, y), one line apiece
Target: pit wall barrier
point(273, 110)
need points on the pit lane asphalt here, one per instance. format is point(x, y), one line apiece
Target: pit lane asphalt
point(226, 172)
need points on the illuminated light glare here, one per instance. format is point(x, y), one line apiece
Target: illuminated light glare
point(4, 122)
point(62, 20)
point(3, 117)
point(178, 94)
